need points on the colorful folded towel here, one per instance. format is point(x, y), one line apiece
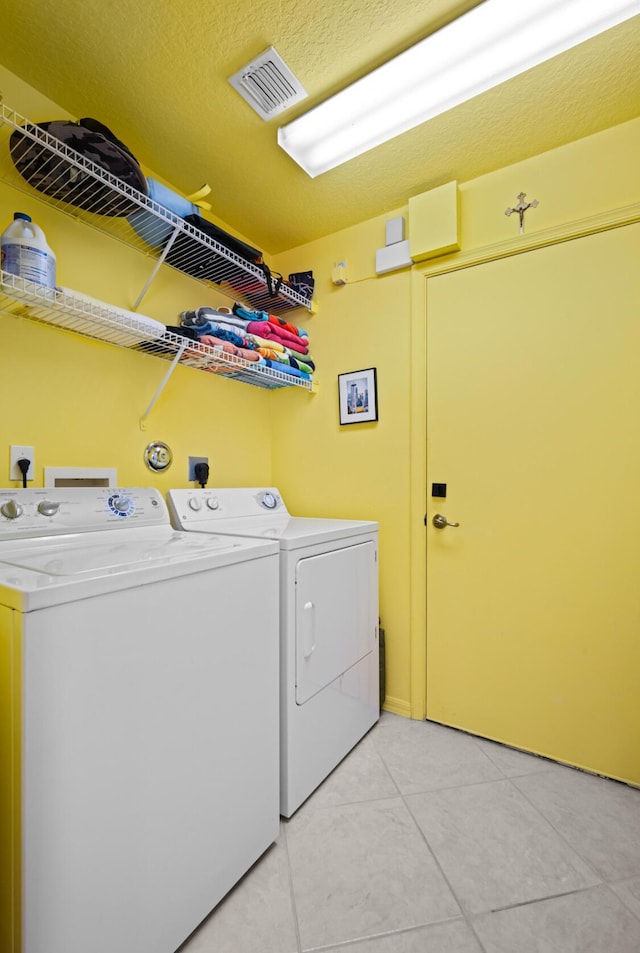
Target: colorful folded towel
point(243, 312)
point(202, 316)
point(285, 326)
point(267, 330)
point(272, 355)
point(220, 343)
point(263, 342)
point(224, 331)
point(286, 369)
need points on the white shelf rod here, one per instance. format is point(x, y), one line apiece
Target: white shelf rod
point(163, 383)
point(156, 268)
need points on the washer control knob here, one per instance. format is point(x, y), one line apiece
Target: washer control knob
point(11, 510)
point(48, 508)
point(194, 503)
point(121, 503)
point(212, 503)
point(269, 501)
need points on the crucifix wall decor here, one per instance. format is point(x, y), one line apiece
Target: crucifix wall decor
point(521, 208)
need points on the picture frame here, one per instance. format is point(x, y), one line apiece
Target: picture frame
point(358, 396)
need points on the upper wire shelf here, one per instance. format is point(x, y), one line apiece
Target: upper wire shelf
point(62, 309)
point(110, 206)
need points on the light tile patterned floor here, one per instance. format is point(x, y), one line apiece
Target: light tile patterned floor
point(427, 840)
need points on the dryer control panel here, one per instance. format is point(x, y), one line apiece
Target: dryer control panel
point(236, 503)
point(25, 513)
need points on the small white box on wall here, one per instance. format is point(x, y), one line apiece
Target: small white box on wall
point(394, 230)
point(393, 257)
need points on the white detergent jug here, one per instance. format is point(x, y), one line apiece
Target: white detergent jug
point(25, 252)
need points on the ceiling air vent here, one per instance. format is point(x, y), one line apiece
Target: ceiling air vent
point(268, 85)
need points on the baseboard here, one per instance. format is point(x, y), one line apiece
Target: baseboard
point(398, 706)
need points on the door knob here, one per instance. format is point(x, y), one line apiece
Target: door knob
point(440, 521)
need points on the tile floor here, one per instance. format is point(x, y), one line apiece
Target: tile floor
point(428, 840)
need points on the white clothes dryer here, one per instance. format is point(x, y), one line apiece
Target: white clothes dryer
point(139, 722)
point(329, 669)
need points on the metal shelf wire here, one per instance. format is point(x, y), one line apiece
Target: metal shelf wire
point(110, 206)
point(63, 310)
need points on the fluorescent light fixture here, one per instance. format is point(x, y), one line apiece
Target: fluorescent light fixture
point(490, 44)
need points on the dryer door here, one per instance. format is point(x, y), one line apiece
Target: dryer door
point(336, 615)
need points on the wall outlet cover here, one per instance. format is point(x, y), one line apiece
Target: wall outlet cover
point(19, 452)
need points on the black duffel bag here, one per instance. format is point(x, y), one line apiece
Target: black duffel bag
point(54, 175)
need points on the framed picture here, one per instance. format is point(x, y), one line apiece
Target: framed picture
point(358, 396)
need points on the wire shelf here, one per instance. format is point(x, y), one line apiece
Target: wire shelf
point(68, 181)
point(62, 309)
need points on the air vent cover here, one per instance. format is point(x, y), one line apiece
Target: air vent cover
point(268, 85)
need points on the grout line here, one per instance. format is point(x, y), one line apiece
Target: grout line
point(465, 913)
point(477, 936)
point(386, 767)
point(564, 839)
point(551, 896)
point(294, 911)
point(453, 787)
point(621, 899)
point(345, 944)
point(423, 836)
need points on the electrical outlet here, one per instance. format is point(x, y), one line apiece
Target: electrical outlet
point(192, 466)
point(19, 453)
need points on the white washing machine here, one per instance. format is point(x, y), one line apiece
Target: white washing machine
point(138, 722)
point(329, 673)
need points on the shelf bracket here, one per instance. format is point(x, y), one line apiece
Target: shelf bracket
point(163, 383)
point(156, 268)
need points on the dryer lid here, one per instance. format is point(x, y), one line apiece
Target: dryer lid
point(291, 532)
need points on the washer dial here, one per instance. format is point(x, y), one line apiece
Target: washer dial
point(121, 505)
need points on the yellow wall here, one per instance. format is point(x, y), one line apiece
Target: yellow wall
point(79, 402)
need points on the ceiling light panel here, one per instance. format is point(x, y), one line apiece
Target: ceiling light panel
point(490, 44)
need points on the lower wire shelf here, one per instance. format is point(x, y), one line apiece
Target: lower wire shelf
point(61, 309)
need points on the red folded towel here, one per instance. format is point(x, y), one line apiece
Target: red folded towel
point(265, 329)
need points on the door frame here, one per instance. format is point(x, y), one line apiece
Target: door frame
point(420, 276)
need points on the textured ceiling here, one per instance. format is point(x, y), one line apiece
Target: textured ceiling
point(155, 71)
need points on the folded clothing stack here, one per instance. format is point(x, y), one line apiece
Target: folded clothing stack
point(253, 335)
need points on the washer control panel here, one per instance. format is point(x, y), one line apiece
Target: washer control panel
point(52, 511)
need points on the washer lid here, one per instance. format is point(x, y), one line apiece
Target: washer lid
point(49, 571)
point(106, 554)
